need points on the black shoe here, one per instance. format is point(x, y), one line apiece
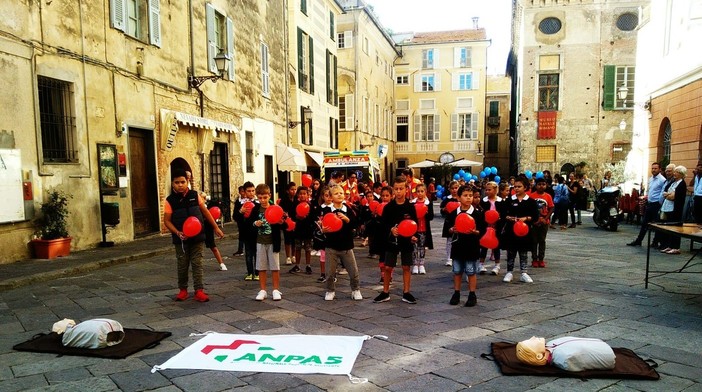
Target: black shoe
point(295, 269)
point(634, 243)
point(455, 298)
point(382, 297)
point(308, 270)
point(322, 278)
point(472, 299)
point(572, 226)
point(409, 298)
point(238, 253)
point(579, 223)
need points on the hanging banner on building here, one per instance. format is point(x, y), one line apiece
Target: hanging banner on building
point(547, 125)
point(271, 354)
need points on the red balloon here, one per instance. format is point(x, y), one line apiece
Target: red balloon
point(274, 215)
point(290, 224)
point(192, 227)
point(520, 229)
point(381, 207)
point(248, 206)
point(421, 209)
point(489, 240)
point(451, 206)
point(332, 222)
point(306, 180)
point(302, 210)
point(491, 217)
point(464, 223)
point(215, 212)
point(373, 205)
point(407, 228)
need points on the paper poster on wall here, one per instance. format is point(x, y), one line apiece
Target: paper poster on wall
point(11, 186)
point(107, 160)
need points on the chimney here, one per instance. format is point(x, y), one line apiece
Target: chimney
point(475, 22)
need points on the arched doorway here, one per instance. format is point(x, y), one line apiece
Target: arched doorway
point(567, 169)
point(665, 134)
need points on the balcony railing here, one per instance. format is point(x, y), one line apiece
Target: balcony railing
point(493, 121)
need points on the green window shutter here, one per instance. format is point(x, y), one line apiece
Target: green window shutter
point(328, 67)
point(332, 29)
point(311, 49)
point(303, 6)
point(609, 87)
point(336, 83)
point(300, 60)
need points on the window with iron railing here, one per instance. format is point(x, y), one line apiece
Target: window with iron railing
point(58, 121)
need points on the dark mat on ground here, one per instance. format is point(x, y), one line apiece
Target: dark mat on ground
point(134, 341)
point(628, 365)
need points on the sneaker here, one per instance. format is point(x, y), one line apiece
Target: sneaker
point(295, 269)
point(673, 252)
point(329, 296)
point(249, 277)
point(322, 278)
point(238, 253)
point(422, 270)
point(382, 297)
point(455, 298)
point(255, 277)
point(200, 296)
point(666, 250)
point(472, 299)
point(526, 278)
point(415, 269)
point(261, 295)
point(182, 295)
point(342, 271)
point(277, 295)
point(449, 263)
point(222, 267)
point(542, 264)
point(507, 278)
point(308, 270)
point(409, 298)
point(535, 264)
point(495, 270)
point(356, 295)
point(482, 269)
point(634, 243)
point(288, 261)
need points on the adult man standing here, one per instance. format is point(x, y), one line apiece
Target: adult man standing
point(653, 205)
point(697, 194)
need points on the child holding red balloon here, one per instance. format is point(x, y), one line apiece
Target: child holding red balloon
point(399, 242)
point(287, 202)
point(184, 212)
point(467, 224)
point(216, 212)
point(448, 205)
point(268, 219)
point(425, 213)
point(376, 240)
point(319, 239)
point(243, 209)
point(303, 230)
point(544, 203)
point(521, 213)
point(491, 202)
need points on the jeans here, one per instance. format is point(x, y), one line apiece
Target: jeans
point(650, 215)
point(189, 256)
point(348, 259)
point(250, 256)
point(523, 256)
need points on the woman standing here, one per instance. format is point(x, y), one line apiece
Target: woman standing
point(673, 203)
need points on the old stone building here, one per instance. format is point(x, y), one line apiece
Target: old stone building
point(497, 136)
point(570, 60)
point(105, 98)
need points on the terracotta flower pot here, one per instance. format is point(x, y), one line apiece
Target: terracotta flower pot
point(51, 249)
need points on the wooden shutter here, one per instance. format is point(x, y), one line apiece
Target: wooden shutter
point(327, 59)
point(455, 77)
point(300, 60)
point(265, 77)
point(118, 14)
point(332, 29)
point(417, 127)
point(336, 83)
point(437, 127)
point(230, 48)
point(437, 81)
point(454, 126)
point(349, 112)
point(456, 57)
point(475, 80)
point(155, 22)
point(610, 90)
point(311, 50)
point(417, 82)
point(211, 40)
point(348, 39)
point(474, 125)
point(436, 58)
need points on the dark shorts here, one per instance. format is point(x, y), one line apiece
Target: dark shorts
point(289, 237)
point(209, 237)
point(405, 257)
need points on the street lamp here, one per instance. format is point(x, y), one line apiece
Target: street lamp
point(622, 125)
point(306, 115)
point(221, 61)
point(622, 92)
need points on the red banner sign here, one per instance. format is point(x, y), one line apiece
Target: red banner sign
point(547, 125)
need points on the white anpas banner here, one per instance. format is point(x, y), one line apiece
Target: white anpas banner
point(273, 354)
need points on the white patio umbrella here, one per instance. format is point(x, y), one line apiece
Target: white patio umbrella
point(423, 164)
point(464, 163)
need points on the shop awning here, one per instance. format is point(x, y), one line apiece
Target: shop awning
point(290, 159)
point(464, 163)
point(205, 123)
point(315, 159)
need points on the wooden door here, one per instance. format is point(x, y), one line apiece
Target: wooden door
point(142, 172)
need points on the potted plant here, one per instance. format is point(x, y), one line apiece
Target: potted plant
point(52, 238)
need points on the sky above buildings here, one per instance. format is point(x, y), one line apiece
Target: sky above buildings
point(441, 15)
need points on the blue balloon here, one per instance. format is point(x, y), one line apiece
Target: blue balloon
point(439, 194)
point(439, 187)
point(482, 175)
point(497, 179)
point(493, 170)
point(461, 172)
point(528, 174)
point(456, 176)
point(475, 178)
point(539, 174)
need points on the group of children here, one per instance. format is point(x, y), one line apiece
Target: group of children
point(377, 215)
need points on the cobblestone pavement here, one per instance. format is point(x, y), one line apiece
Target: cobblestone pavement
point(592, 287)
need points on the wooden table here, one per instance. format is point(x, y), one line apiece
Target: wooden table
point(690, 231)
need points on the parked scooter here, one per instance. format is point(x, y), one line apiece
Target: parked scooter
point(607, 214)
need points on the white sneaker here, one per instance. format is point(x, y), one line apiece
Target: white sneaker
point(422, 270)
point(482, 269)
point(495, 270)
point(342, 271)
point(329, 296)
point(415, 269)
point(261, 295)
point(277, 295)
point(293, 259)
point(356, 295)
point(288, 261)
point(507, 278)
point(526, 278)
point(222, 267)
point(449, 263)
